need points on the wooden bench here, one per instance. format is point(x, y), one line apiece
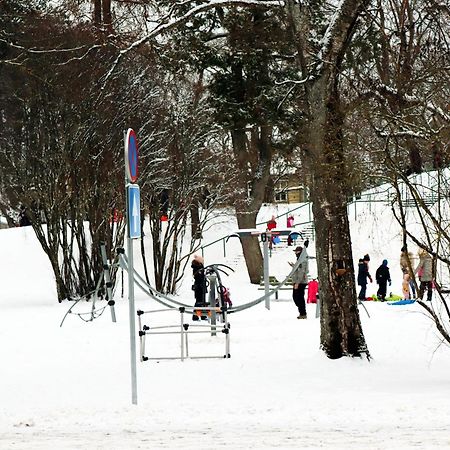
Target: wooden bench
point(273, 283)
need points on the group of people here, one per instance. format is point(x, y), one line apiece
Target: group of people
point(299, 282)
point(424, 271)
point(382, 277)
point(272, 223)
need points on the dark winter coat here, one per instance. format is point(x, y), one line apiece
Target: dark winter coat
point(382, 274)
point(198, 272)
point(363, 273)
point(199, 287)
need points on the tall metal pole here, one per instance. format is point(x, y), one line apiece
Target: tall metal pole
point(131, 307)
point(131, 310)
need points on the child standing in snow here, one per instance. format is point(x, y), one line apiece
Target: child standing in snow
point(199, 286)
point(290, 221)
point(405, 286)
point(383, 276)
point(406, 264)
point(271, 224)
point(363, 274)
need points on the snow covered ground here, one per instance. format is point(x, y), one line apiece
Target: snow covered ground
point(69, 387)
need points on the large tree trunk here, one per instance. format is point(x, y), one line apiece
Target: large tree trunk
point(341, 332)
point(250, 246)
point(97, 13)
point(196, 231)
point(251, 190)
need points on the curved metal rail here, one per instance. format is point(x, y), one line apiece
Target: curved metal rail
point(172, 303)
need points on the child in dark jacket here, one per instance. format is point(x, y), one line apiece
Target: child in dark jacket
point(383, 276)
point(199, 286)
point(363, 275)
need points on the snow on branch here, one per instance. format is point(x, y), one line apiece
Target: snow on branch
point(303, 81)
point(165, 25)
point(400, 134)
point(405, 133)
point(18, 59)
point(339, 28)
point(384, 90)
point(46, 51)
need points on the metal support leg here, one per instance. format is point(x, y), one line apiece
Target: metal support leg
point(108, 283)
point(182, 335)
point(266, 269)
point(212, 302)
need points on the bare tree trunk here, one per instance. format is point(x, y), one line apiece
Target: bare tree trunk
point(107, 16)
point(341, 332)
point(97, 13)
point(250, 246)
point(249, 203)
point(196, 231)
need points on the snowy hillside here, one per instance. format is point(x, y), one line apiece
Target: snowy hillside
point(69, 388)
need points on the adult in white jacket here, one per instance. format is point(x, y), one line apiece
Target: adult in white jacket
point(300, 280)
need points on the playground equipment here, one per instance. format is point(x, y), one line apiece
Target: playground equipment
point(104, 285)
point(184, 329)
point(171, 302)
point(216, 310)
point(307, 230)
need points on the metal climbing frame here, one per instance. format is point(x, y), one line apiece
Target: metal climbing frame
point(184, 330)
point(104, 283)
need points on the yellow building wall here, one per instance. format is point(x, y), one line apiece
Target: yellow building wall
point(294, 196)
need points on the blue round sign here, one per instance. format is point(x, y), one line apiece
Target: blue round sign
point(131, 156)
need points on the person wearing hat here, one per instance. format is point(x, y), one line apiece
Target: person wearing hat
point(199, 286)
point(382, 276)
point(425, 272)
point(300, 280)
point(363, 274)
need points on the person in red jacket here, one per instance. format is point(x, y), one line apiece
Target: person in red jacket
point(271, 224)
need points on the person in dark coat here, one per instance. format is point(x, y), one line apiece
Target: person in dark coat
point(363, 274)
point(164, 202)
point(383, 276)
point(24, 220)
point(199, 287)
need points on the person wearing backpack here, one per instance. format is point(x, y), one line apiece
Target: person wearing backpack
point(382, 276)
